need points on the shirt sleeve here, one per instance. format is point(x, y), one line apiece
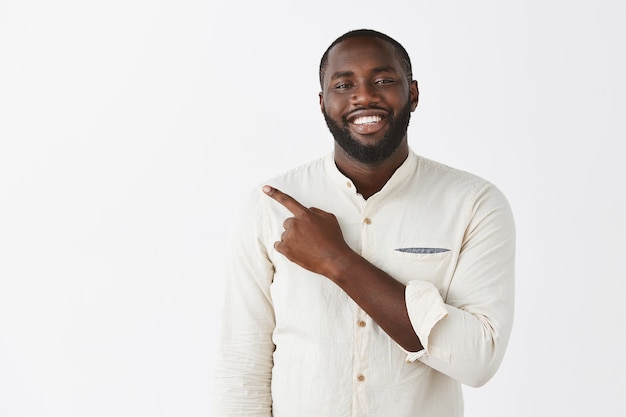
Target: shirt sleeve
point(465, 335)
point(244, 362)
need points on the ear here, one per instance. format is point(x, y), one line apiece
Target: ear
point(321, 95)
point(415, 94)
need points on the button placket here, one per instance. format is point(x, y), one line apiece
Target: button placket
point(362, 335)
point(363, 323)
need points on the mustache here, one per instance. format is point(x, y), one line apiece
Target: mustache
point(355, 110)
point(372, 107)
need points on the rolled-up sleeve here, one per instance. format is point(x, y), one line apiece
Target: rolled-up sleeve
point(244, 363)
point(465, 335)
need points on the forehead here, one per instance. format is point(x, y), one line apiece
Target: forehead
point(362, 54)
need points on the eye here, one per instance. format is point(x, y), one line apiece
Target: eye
point(384, 81)
point(342, 86)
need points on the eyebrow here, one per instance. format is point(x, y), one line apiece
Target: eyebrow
point(377, 70)
point(340, 74)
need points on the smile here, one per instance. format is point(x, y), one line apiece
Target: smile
point(367, 120)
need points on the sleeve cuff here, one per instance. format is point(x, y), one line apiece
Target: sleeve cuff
point(426, 308)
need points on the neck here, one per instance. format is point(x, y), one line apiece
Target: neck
point(370, 178)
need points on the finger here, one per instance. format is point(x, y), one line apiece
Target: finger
point(278, 245)
point(286, 200)
point(323, 214)
point(287, 221)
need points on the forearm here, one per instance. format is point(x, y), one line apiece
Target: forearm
point(244, 359)
point(242, 381)
point(477, 338)
point(378, 294)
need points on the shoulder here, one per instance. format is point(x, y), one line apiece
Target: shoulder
point(440, 173)
point(295, 177)
point(305, 182)
point(302, 179)
point(452, 183)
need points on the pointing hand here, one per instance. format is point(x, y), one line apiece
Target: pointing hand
point(312, 237)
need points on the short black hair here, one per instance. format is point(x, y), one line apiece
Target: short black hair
point(402, 54)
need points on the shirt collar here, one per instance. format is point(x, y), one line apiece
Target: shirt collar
point(404, 171)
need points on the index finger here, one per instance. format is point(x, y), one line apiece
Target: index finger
point(286, 200)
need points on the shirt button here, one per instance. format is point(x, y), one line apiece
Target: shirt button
point(367, 220)
point(348, 184)
point(360, 377)
point(362, 323)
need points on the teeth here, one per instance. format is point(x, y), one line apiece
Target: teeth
point(367, 120)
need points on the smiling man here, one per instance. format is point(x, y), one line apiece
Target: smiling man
point(373, 281)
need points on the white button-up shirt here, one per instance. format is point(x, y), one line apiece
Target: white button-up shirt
point(293, 344)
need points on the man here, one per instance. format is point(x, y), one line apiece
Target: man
point(371, 282)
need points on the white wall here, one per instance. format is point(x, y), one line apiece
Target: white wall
point(130, 129)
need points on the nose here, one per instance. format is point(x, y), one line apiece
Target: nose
point(365, 94)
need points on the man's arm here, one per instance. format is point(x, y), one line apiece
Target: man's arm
point(244, 361)
point(470, 342)
point(313, 240)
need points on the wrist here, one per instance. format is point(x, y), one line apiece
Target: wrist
point(343, 267)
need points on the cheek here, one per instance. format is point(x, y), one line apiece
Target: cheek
point(334, 108)
point(398, 97)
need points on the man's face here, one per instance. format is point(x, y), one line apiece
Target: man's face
point(367, 99)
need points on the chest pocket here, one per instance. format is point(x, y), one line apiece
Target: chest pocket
point(432, 264)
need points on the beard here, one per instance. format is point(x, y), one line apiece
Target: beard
point(381, 150)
